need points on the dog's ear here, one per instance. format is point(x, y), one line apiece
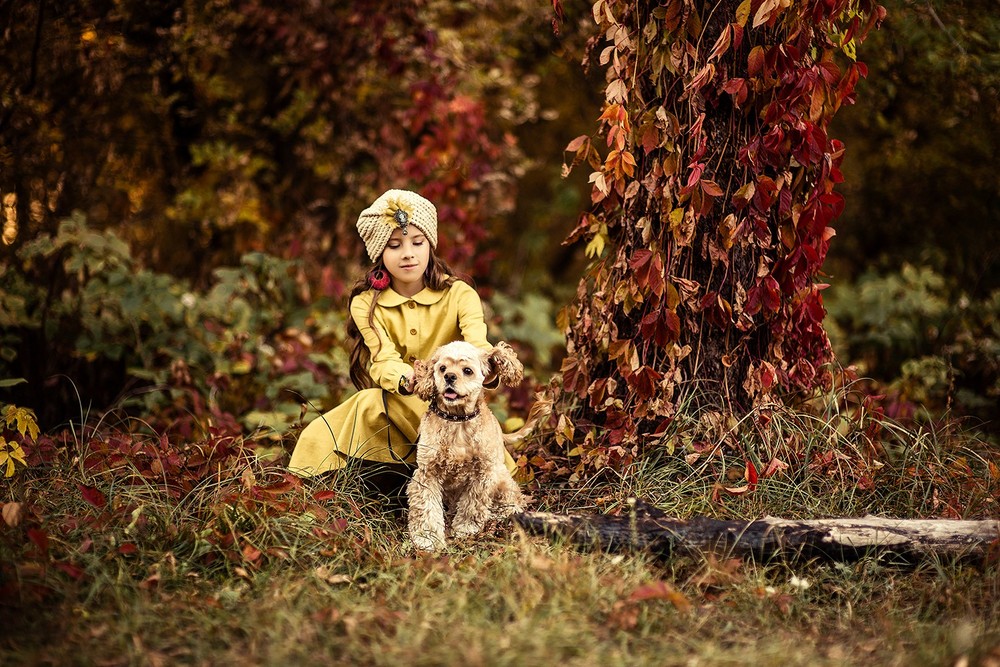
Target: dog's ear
point(424, 375)
point(503, 361)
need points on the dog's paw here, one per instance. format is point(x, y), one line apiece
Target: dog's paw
point(428, 542)
point(465, 529)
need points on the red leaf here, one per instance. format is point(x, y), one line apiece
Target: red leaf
point(722, 43)
point(320, 496)
point(665, 424)
point(661, 590)
point(767, 376)
point(711, 188)
point(576, 144)
point(765, 193)
point(774, 466)
point(650, 138)
point(251, 553)
point(662, 326)
point(39, 539)
point(646, 382)
point(72, 570)
point(128, 549)
point(829, 71)
point(755, 300)
point(673, 323)
point(277, 488)
point(737, 35)
point(755, 61)
point(738, 89)
point(703, 77)
point(93, 496)
point(648, 269)
point(771, 294)
point(693, 178)
point(751, 475)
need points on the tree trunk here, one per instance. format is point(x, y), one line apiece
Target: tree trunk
point(844, 539)
point(711, 211)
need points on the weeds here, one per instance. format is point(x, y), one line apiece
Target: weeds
point(135, 549)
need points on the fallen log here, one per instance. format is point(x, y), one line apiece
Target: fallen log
point(647, 528)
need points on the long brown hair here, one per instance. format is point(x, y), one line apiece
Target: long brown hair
point(437, 276)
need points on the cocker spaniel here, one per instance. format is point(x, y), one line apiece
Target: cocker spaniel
point(460, 455)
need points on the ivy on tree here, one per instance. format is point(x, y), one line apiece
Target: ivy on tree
point(712, 211)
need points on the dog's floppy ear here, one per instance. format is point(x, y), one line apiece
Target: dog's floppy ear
point(424, 374)
point(503, 361)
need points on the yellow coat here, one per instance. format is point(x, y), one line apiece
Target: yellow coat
point(405, 329)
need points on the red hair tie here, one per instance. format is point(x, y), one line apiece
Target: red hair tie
point(378, 279)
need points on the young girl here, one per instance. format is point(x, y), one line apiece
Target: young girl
point(408, 305)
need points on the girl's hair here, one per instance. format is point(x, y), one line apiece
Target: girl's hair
point(437, 276)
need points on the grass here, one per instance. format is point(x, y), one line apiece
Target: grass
point(247, 565)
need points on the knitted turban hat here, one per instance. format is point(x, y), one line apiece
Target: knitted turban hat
point(396, 209)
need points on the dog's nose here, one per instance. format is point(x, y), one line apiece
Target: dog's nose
point(450, 377)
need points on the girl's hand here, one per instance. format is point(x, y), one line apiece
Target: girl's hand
point(408, 384)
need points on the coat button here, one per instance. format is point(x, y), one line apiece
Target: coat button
point(412, 358)
point(413, 332)
point(411, 305)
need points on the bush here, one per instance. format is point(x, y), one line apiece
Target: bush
point(79, 306)
point(926, 340)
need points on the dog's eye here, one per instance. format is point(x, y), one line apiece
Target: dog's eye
point(467, 371)
point(442, 368)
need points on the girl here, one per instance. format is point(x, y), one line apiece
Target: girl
point(408, 305)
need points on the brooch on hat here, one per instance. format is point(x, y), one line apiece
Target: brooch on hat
point(402, 219)
point(399, 215)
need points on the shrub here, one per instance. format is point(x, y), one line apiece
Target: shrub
point(925, 339)
point(79, 305)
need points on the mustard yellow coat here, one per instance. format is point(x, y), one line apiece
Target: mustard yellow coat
point(405, 329)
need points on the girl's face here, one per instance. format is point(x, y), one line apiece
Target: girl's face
point(405, 258)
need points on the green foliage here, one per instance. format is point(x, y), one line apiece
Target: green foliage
point(922, 146)
point(891, 318)
point(530, 319)
point(239, 343)
point(924, 338)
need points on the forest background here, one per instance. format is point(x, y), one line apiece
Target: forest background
point(167, 164)
point(180, 182)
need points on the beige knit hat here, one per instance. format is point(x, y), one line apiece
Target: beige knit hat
point(396, 209)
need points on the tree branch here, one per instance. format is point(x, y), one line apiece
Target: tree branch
point(650, 529)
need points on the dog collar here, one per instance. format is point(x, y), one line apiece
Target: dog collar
point(450, 417)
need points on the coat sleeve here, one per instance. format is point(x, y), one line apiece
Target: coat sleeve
point(387, 367)
point(471, 321)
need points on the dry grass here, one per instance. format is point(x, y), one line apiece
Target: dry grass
point(249, 568)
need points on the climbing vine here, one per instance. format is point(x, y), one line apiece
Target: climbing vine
point(713, 198)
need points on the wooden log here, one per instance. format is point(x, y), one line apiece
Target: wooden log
point(646, 527)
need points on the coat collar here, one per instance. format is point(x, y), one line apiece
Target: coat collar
point(390, 298)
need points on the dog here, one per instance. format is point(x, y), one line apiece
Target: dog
point(460, 451)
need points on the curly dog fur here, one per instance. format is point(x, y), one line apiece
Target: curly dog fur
point(460, 457)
